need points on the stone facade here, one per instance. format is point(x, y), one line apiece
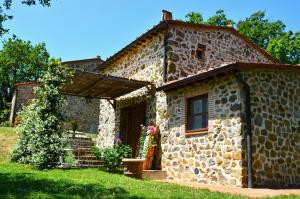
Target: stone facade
point(220, 47)
point(215, 156)
point(22, 95)
point(86, 65)
point(275, 109)
point(84, 111)
point(219, 155)
point(144, 63)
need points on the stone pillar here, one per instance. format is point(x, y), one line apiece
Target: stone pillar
point(107, 125)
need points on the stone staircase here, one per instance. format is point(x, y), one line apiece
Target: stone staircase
point(81, 146)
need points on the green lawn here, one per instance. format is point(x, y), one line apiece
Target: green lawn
point(19, 181)
point(23, 181)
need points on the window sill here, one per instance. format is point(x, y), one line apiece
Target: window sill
point(196, 132)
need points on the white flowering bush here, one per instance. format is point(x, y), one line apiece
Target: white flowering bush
point(41, 139)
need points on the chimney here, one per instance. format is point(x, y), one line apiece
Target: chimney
point(166, 15)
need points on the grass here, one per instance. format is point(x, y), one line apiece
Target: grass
point(8, 138)
point(23, 181)
point(19, 181)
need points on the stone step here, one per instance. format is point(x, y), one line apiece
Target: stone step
point(87, 166)
point(80, 138)
point(82, 149)
point(82, 146)
point(88, 162)
point(86, 157)
point(91, 143)
point(80, 142)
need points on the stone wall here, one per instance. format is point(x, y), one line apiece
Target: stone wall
point(22, 95)
point(213, 157)
point(143, 63)
point(84, 111)
point(275, 107)
point(90, 65)
point(221, 47)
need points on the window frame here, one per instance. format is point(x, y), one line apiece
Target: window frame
point(188, 116)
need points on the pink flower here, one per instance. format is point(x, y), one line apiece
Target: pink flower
point(152, 129)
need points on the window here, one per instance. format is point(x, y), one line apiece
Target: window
point(200, 51)
point(197, 114)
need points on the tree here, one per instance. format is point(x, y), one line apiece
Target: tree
point(194, 17)
point(41, 140)
point(286, 48)
point(20, 61)
point(7, 4)
point(219, 19)
point(259, 29)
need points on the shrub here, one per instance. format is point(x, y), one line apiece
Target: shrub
point(69, 157)
point(74, 126)
point(41, 140)
point(112, 157)
point(4, 115)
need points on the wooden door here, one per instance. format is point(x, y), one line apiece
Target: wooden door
point(130, 126)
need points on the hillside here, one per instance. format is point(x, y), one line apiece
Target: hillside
point(8, 138)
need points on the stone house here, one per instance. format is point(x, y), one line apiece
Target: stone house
point(229, 114)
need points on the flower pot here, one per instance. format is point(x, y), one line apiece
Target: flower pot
point(133, 167)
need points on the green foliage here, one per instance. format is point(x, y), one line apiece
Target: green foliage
point(194, 17)
point(111, 157)
point(74, 126)
point(41, 141)
point(4, 115)
point(20, 61)
point(286, 48)
point(69, 157)
point(219, 19)
point(259, 29)
point(269, 35)
point(7, 4)
point(6, 124)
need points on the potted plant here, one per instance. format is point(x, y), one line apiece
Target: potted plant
point(133, 167)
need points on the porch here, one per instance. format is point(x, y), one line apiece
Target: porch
point(126, 118)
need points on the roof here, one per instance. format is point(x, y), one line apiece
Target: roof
point(96, 85)
point(32, 83)
point(97, 59)
point(225, 69)
point(163, 24)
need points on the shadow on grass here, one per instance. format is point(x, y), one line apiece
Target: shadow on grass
point(25, 186)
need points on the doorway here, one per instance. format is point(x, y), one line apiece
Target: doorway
point(132, 118)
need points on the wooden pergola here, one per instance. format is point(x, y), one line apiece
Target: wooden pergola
point(96, 85)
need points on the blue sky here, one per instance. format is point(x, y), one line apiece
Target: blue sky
point(79, 29)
